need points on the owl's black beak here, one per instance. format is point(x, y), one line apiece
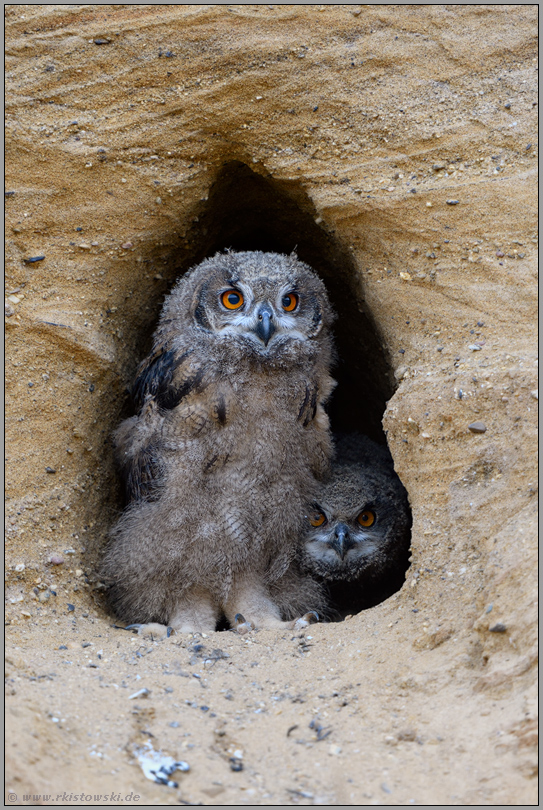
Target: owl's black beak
point(265, 326)
point(342, 541)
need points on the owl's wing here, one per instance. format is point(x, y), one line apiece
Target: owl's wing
point(138, 452)
point(167, 375)
point(163, 380)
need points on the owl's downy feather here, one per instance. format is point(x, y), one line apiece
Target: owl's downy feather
point(230, 439)
point(357, 532)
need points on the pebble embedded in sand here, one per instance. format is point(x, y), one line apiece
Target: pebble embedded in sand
point(477, 427)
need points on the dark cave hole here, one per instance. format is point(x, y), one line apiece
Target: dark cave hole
point(246, 211)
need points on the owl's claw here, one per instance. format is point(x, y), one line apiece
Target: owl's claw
point(241, 625)
point(153, 630)
point(312, 617)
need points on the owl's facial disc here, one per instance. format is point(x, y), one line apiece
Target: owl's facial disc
point(340, 548)
point(263, 320)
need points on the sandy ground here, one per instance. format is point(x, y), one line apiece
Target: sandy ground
point(395, 147)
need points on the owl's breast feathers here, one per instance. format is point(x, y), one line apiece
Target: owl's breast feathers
point(180, 397)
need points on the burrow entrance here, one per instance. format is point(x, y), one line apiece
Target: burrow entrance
point(246, 211)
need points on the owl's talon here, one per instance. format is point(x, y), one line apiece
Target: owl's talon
point(153, 630)
point(311, 617)
point(241, 625)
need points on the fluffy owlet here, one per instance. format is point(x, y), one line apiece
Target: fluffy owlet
point(357, 532)
point(229, 443)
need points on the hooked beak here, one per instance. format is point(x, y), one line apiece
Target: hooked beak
point(342, 541)
point(265, 326)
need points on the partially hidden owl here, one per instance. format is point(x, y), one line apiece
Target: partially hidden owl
point(357, 530)
point(230, 441)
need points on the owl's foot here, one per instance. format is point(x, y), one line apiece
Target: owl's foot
point(241, 625)
point(312, 617)
point(153, 630)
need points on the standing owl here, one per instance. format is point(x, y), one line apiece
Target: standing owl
point(229, 443)
point(357, 532)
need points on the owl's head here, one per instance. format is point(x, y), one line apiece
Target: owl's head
point(359, 524)
point(263, 301)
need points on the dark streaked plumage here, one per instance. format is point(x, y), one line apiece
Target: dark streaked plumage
point(229, 443)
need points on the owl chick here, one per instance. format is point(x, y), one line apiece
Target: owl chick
point(230, 441)
point(357, 532)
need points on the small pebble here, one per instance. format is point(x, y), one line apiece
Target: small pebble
point(20, 567)
point(70, 607)
point(32, 259)
point(56, 559)
point(8, 310)
point(158, 200)
point(535, 393)
point(508, 105)
point(405, 276)
point(235, 764)
point(498, 628)
point(102, 41)
point(477, 427)
point(50, 470)
point(140, 693)
point(452, 202)
point(127, 245)
point(500, 254)
point(9, 193)
point(474, 347)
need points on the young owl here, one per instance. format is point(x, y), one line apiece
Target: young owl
point(229, 442)
point(357, 532)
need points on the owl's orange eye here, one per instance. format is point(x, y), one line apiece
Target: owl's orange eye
point(289, 302)
point(317, 519)
point(232, 299)
point(366, 518)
